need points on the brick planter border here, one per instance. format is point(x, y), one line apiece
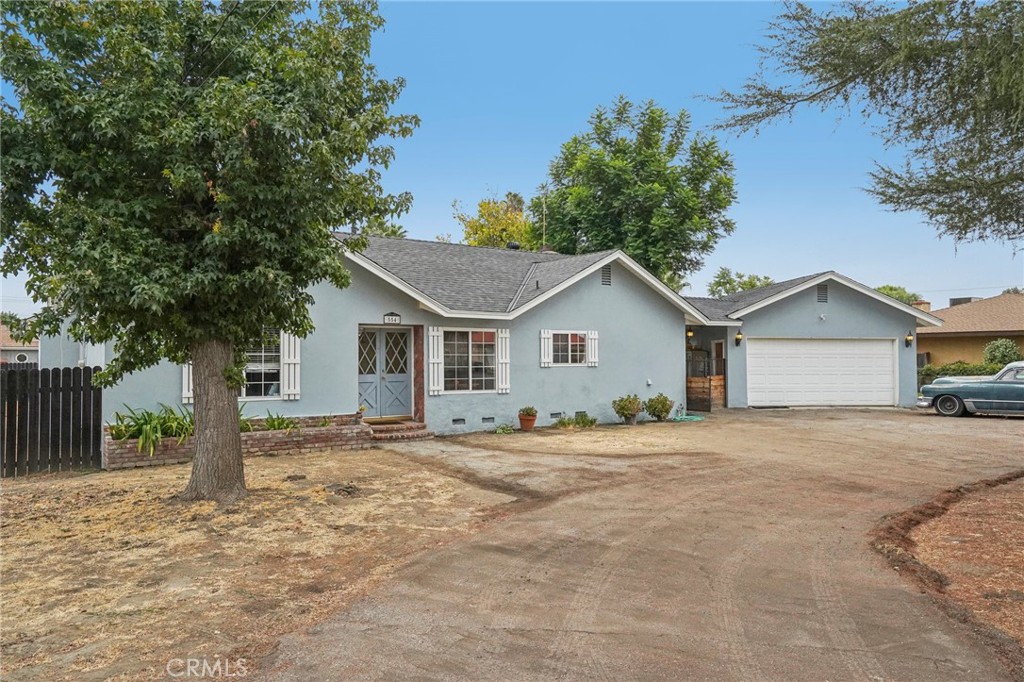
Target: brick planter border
point(346, 432)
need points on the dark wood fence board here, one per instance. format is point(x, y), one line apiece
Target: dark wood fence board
point(45, 417)
point(50, 420)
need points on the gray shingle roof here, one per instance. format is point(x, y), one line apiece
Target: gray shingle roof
point(719, 309)
point(472, 278)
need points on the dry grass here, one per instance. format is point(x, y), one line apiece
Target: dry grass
point(978, 545)
point(104, 576)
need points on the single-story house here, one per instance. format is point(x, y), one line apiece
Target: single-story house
point(822, 339)
point(16, 352)
point(967, 327)
point(460, 337)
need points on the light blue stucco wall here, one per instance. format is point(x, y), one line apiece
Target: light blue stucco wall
point(641, 339)
point(848, 314)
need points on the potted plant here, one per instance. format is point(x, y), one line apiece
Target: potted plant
point(628, 407)
point(527, 418)
point(659, 407)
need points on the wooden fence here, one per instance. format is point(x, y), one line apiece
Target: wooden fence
point(50, 420)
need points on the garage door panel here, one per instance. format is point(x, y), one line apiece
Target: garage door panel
point(797, 372)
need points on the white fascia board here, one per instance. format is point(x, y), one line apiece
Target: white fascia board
point(923, 318)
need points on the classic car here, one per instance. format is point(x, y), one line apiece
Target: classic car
point(1002, 393)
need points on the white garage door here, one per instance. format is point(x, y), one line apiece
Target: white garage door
point(821, 372)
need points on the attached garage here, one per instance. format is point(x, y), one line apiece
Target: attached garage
point(818, 340)
point(802, 372)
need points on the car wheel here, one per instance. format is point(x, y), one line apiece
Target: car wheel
point(949, 406)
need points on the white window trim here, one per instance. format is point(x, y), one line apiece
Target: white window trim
point(497, 362)
point(586, 348)
point(590, 348)
point(290, 375)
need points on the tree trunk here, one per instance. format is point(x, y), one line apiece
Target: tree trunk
point(217, 469)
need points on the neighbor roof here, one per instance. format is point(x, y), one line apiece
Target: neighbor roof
point(8, 343)
point(471, 281)
point(997, 315)
point(734, 306)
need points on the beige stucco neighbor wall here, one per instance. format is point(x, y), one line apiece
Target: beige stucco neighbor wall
point(948, 349)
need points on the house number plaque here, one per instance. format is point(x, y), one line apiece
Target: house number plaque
point(392, 318)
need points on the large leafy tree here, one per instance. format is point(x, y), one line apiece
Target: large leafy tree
point(944, 76)
point(901, 294)
point(497, 222)
point(727, 282)
point(171, 173)
point(638, 181)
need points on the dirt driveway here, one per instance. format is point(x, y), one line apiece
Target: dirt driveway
point(731, 549)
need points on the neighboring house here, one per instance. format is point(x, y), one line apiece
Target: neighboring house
point(967, 327)
point(16, 352)
point(460, 338)
point(822, 339)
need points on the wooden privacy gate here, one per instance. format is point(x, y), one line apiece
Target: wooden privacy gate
point(50, 420)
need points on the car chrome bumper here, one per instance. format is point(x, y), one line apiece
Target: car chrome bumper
point(924, 402)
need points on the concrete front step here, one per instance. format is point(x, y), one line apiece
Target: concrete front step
point(418, 434)
point(392, 427)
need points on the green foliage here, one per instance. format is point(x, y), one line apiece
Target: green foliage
point(379, 227)
point(944, 76)
point(899, 293)
point(1013, 290)
point(929, 373)
point(528, 411)
point(150, 427)
point(1001, 352)
point(504, 429)
point(326, 420)
point(497, 223)
point(173, 170)
point(728, 282)
point(276, 422)
point(582, 420)
point(628, 406)
point(244, 423)
point(659, 407)
point(638, 181)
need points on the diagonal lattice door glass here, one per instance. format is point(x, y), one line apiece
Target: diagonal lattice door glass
point(396, 353)
point(367, 351)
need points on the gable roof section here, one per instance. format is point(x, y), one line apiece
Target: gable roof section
point(997, 315)
point(735, 306)
point(455, 280)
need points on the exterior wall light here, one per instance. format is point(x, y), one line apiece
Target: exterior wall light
point(739, 338)
point(909, 339)
point(689, 333)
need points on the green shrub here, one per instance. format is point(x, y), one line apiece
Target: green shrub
point(582, 420)
point(528, 411)
point(628, 407)
point(659, 407)
point(564, 423)
point(930, 373)
point(244, 423)
point(150, 427)
point(505, 429)
point(275, 422)
point(1002, 352)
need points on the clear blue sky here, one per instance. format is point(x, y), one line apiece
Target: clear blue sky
point(500, 86)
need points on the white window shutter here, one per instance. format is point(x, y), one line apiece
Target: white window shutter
point(290, 366)
point(504, 378)
point(592, 349)
point(186, 383)
point(436, 381)
point(546, 351)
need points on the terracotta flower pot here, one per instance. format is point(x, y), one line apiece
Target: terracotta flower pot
point(526, 422)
